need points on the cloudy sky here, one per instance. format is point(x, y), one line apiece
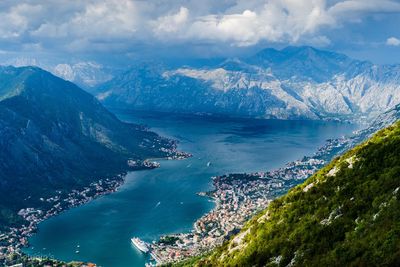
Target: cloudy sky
point(118, 30)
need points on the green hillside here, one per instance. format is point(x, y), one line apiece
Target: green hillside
point(56, 137)
point(347, 214)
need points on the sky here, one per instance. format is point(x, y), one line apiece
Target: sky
point(119, 31)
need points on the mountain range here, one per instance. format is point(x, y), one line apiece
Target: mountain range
point(292, 83)
point(346, 214)
point(55, 136)
point(85, 74)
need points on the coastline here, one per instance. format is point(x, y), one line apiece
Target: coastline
point(17, 238)
point(13, 241)
point(237, 198)
point(244, 177)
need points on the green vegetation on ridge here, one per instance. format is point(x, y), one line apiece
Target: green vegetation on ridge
point(56, 137)
point(347, 214)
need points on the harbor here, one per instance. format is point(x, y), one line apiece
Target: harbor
point(146, 249)
point(237, 198)
point(103, 227)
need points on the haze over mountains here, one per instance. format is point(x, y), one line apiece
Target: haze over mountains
point(86, 74)
point(293, 83)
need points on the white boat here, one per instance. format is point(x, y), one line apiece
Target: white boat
point(139, 244)
point(209, 164)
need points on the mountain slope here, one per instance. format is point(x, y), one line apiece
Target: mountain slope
point(54, 136)
point(292, 83)
point(306, 62)
point(347, 214)
point(85, 74)
point(192, 91)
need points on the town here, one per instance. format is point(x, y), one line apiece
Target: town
point(237, 197)
point(13, 240)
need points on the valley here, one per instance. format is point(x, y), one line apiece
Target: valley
point(234, 100)
point(108, 223)
point(186, 133)
point(291, 83)
point(59, 148)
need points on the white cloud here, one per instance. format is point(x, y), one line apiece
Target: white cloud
point(285, 21)
point(117, 25)
point(16, 21)
point(107, 19)
point(241, 29)
point(273, 20)
point(393, 41)
point(171, 23)
point(319, 40)
point(356, 7)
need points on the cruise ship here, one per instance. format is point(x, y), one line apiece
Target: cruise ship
point(139, 244)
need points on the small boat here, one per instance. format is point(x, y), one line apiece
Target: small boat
point(77, 251)
point(209, 164)
point(139, 244)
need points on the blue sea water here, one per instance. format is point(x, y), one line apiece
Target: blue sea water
point(162, 201)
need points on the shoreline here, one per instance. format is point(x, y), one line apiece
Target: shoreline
point(242, 185)
point(16, 239)
point(237, 198)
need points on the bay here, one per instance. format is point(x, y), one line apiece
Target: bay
point(152, 203)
